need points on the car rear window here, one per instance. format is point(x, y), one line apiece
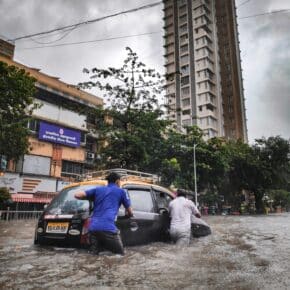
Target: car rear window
point(66, 203)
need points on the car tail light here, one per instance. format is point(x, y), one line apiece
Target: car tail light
point(85, 229)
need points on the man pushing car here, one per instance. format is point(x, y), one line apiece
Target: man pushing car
point(180, 210)
point(107, 201)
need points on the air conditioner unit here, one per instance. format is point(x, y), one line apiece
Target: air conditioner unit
point(90, 155)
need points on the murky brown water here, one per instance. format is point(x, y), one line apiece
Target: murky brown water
point(242, 253)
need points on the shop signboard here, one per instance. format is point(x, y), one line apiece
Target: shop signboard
point(60, 135)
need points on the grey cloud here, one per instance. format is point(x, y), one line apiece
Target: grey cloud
point(275, 94)
point(265, 43)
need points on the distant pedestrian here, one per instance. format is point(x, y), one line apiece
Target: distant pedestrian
point(180, 210)
point(107, 201)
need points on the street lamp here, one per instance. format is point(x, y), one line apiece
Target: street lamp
point(194, 168)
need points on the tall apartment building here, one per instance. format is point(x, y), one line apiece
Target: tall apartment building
point(203, 67)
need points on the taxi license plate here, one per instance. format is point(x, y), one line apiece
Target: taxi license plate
point(57, 228)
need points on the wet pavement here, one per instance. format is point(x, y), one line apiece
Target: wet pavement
point(244, 252)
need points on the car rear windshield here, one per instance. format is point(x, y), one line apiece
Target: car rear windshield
point(66, 203)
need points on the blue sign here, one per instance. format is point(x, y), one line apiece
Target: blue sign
point(60, 135)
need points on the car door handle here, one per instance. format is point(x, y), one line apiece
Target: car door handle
point(133, 226)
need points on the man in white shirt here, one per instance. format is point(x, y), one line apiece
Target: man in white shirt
point(180, 210)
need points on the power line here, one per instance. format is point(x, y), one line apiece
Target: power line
point(66, 33)
point(266, 13)
point(90, 41)
point(134, 35)
point(89, 21)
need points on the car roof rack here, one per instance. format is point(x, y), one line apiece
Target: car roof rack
point(126, 175)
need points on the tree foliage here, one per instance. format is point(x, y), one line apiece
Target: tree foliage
point(134, 133)
point(16, 105)
point(136, 136)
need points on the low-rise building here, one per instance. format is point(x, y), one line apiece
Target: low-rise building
point(62, 145)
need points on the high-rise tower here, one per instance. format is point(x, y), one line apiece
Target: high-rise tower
point(203, 69)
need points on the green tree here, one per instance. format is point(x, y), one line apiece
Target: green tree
point(270, 168)
point(280, 198)
point(257, 168)
point(16, 105)
point(134, 134)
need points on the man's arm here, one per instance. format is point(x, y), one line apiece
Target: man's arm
point(198, 215)
point(129, 211)
point(125, 200)
point(81, 195)
point(195, 210)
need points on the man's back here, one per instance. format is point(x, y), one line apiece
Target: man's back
point(181, 210)
point(107, 200)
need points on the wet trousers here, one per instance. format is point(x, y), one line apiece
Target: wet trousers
point(101, 240)
point(180, 236)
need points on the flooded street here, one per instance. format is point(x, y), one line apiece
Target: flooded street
point(248, 252)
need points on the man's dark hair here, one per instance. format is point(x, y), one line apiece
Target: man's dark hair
point(181, 192)
point(113, 177)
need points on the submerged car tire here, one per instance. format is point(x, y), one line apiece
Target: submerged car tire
point(36, 242)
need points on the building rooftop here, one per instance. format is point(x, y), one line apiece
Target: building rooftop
point(55, 83)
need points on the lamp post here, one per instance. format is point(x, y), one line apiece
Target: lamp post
point(194, 168)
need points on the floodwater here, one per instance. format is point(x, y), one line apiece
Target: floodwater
point(243, 252)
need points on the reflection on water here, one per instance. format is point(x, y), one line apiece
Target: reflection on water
point(242, 253)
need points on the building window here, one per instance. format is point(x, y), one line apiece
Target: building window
point(183, 38)
point(185, 102)
point(83, 138)
point(185, 69)
point(184, 59)
point(184, 48)
point(183, 19)
point(182, 2)
point(186, 112)
point(182, 9)
point(210, 107)
point(183, 29)
point(71, 168)
point(184, 81)
point(33, 125)
point(186, 122)
point(184, 91)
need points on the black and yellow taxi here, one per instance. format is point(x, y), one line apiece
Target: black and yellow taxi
point(66, 219)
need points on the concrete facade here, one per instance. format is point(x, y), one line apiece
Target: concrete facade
point(198, 36)
point(49, 163)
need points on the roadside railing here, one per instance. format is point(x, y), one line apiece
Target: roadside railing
point(12, 215)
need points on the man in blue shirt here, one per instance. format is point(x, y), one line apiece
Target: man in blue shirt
point(107, 201)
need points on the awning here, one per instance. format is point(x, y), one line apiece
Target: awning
point(29, 198)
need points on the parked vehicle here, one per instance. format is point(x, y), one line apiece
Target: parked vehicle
point(66, 219)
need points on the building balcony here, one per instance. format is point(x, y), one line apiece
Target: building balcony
point(169, 31)
point(199, 3)
point(168, 52)
point(169, 60)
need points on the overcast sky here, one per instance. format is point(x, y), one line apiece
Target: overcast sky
point(265, 47)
